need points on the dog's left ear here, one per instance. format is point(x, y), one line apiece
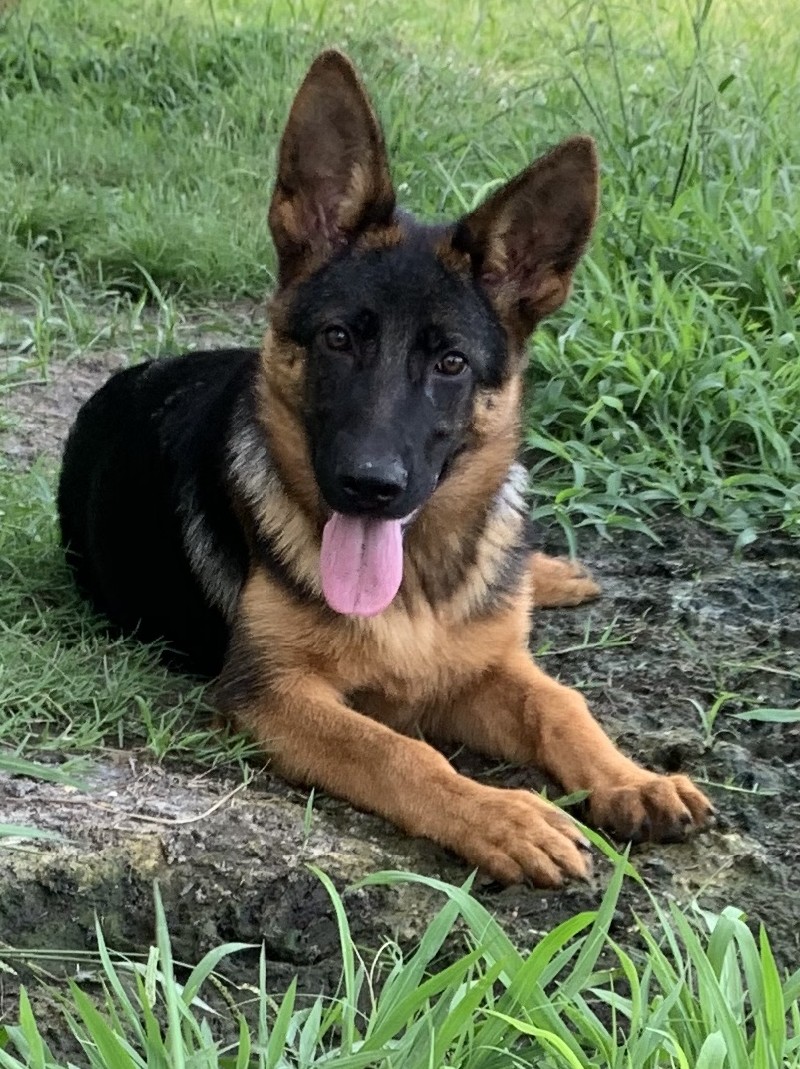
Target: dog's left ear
point(525, 240)
point(333, 179)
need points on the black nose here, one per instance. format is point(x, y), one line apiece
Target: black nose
point(373, 483)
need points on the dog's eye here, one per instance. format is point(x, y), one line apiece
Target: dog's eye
point(338, 339)
point(451, 364)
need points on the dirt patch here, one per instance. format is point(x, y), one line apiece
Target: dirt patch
point(679, 625)
point(41, 413)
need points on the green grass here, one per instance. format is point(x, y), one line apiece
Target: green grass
point(703, 992)
point(67, 687)
point(138, 157)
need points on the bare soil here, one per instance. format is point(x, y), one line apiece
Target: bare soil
point(688, 620)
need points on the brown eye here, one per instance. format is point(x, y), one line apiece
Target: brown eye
point(338, 339)
point(451, 364)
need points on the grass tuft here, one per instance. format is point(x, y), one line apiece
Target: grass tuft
point(701, 991)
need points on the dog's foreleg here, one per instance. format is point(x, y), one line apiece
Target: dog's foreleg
point(521, 714)
point(313, 738)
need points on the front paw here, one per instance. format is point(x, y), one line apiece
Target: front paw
point(514, 835)
point(648, 806)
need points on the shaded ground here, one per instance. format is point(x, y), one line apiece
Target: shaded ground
point(679, 625)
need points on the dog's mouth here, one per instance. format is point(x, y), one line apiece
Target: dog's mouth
point(361, 563)
point(361, 559)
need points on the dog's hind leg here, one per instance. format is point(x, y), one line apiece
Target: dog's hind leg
point(559, 581)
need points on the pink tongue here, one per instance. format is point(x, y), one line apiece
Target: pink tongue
point(361, 563)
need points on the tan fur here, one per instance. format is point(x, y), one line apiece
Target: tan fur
point(453, 259)
point(384, 237)
point(335, 699)
point(558, 581)
point(280, 394)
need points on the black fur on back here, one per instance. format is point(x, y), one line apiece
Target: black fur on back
point(145, 505)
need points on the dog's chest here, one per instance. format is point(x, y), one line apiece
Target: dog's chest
point(422, 659)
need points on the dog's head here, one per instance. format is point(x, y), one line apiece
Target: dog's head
point(390, 340)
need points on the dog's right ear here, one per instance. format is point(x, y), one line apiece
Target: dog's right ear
point(333, 179)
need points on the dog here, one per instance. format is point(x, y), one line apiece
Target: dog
point(336, 523)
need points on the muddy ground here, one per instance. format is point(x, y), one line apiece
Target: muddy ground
point(687, 619)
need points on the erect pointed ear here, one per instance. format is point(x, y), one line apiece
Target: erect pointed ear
point(525, 240)
point(333, 179)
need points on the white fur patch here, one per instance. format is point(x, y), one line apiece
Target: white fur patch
point(511, 495)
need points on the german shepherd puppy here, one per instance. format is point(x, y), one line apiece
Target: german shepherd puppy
point(337, 522)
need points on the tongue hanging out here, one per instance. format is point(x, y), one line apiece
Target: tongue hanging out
point(361, 563)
